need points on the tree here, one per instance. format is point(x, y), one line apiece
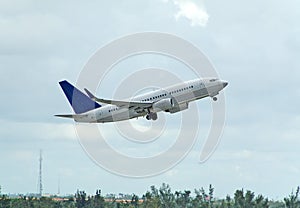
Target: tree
point(239, 199)
point(98, 200)
point(210, 195)
point(4, 201)
point(261, 202)
point(228, 201)
point(183, 199)
point(152, 199)
point(166, 196)
point(80, 199)
point(202, 199)
point(134, 200)
point(248, 200)
point(292, 201)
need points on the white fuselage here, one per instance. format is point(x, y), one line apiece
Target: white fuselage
point(178, 96)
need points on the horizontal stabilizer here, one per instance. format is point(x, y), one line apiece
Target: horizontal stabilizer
point(66, 116)
point(74, 116)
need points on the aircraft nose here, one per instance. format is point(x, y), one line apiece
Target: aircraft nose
point(225, 84)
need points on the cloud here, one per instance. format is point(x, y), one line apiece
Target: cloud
point(35, 131)
point(195, 13)
point(29, 33)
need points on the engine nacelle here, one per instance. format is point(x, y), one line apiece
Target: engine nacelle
point(178, 107)
point(163, 105)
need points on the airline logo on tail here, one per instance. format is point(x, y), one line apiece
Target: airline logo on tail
point(80, 102)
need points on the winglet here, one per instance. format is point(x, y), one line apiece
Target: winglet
point(80, 102)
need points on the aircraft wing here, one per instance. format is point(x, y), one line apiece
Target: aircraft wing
point(119, 103)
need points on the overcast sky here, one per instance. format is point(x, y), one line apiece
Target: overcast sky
point(254, 45)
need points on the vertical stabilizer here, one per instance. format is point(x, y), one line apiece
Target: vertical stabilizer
point(80, 102)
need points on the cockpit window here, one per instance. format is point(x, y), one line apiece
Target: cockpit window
point(212, 80)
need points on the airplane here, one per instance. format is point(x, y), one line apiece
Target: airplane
point(90, 109)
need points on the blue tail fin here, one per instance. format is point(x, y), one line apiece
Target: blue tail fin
point(80, 102)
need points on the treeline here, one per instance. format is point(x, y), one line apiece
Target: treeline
point(162, 197)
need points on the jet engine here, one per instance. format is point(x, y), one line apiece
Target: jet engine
point(169, 105)
point(163, 105)
point(178, 107)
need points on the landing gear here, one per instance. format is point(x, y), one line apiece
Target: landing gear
point(152, 116)
point(215, 98)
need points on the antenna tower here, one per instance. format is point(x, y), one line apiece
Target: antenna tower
point(40, 175)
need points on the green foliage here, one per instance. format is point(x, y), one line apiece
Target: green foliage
point(248, 200)
point(134, 200)
point(166, 196)
point(162, 197)
point(4, 202)
point(293, 200)
point(80, 199)
point(203, 199)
